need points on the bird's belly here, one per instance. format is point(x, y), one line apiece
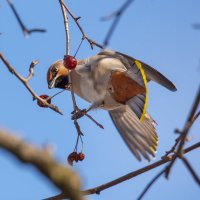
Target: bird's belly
point(90, 93)
point(99, 94)
point(109, 102)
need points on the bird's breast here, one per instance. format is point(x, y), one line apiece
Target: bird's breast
point(92, 91)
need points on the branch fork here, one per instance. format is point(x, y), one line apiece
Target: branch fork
point(26, 84)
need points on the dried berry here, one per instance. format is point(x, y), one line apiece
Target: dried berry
point(81, 156)
point(70, 62)
point(72, 157)
point(44, 96)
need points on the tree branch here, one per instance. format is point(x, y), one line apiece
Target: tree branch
point(191, 170)
point(98, 189)
point(117, 16)
point(150, 184)
point(183, 134)
point(64, 8)
point(196, 26)
point(66, 25)
point(62, 177)
point(84, 36)
point(25, 82)
point(25, 31)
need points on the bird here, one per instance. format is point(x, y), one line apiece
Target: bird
point(116, 82)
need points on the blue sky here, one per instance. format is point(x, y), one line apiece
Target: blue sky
point(158, 32)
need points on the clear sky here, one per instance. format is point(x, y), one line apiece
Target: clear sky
point(158, 32)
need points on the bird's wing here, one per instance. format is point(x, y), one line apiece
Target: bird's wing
point(140, 137)
point(139, 102)
point(130, 87)
point(151, 73)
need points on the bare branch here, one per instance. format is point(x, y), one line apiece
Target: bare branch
point(191, 170)
point(182, 137)
point(177, 140)
point(31, 69)
point(62, 177)
point(190, 120)
point(173, 148)
point(196, 26)
point(117, 14)
point(25, 82)
point(64, 8)
point(150, 184)
point(133, 174)
point(97, 123)
point(25, 31)
point(98, 189)
point(66, 25)
point(84, 36)
point(62, 5)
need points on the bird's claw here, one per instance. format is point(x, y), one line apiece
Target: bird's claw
point(78, 114)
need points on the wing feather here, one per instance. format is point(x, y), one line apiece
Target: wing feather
point(139, 136)
point(151, 73)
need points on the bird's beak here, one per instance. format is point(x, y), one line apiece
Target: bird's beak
point(51, 83)
point(59, 81)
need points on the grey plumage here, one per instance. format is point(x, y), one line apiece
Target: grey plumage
point(151, 73)
point(93, 81)
point(140, 137)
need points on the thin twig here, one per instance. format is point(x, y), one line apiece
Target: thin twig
point(117, 15)
point(62, 177)
point(76, 108)
point(150, 184)
point(25, 83)
point(177, 140)
point(98, 189)
point(84, 36)
point(173, 149)
point(188, 124)
point(66, 24)
point(97, 123)
point(196, 26)
point(191, 170)
point(31, 69)
point(137, 172)
point(190, 120)
point(25, 31)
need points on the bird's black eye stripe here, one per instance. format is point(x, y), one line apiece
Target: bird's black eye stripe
point(54, 71)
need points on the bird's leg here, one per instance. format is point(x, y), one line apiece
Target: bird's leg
point(78, 113)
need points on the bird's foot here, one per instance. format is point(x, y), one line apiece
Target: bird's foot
point(76, 114)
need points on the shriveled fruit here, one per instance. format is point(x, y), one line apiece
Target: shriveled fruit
point(81, 156)
point(40, 103)
point(72, 157)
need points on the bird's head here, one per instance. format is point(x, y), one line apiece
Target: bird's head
point(58, 76)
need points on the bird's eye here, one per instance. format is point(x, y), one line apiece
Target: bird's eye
point(54, 71)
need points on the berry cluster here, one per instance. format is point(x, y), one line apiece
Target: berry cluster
point(44, 96)
point(70, 62)
point(74, 156)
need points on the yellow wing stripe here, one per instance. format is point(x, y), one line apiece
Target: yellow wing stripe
point(139, 66)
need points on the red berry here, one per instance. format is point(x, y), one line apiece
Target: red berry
point(44, 96)
point(70, 62)
point(72, 157)
point(70, 160)
point(81, 156)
